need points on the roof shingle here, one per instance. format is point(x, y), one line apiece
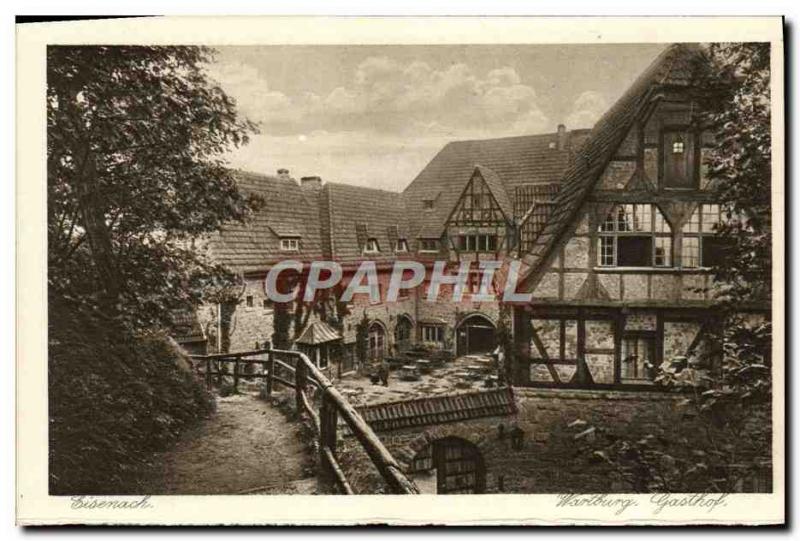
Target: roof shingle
point(379, 213)
point(288, 211)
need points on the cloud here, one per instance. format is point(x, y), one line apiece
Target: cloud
point(587, 109)
point(387, 96)
point(357, 157)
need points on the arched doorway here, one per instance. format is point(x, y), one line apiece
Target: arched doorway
point(376, 334)
point(475, 334)
point(449, 465)
point(403, 333)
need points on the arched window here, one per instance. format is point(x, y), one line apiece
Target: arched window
point(634, 235)
point(700, 246)
point(376, 341)
point(403, 332)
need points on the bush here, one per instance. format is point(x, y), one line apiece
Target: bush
point(115, 396)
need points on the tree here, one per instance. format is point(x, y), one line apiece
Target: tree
point(362, 339)
point(727, 384)
point(135, 137)
point(281, 323)
point(737, 110)
point(135, 180)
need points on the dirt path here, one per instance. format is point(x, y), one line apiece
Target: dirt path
point(247, 444)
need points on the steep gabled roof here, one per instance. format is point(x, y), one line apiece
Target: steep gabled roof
point(288, 211)
point(355, 211)
point(671, 67)
point(515, 160)
point(498, 190)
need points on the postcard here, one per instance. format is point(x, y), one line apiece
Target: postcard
point(406, 271)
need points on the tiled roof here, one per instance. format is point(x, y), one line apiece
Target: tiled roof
point(288, 210)
point(439, 409)
point(672, 67)
point(515, 160)
point(378, 213)
point(318, 332)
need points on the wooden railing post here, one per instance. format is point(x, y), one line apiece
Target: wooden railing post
point(219, 372)
point(208, 373)
point(236, 374)
point(270, 372)
point(328, 418)
point(300, 378)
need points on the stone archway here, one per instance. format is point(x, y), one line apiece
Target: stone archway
point(475, 334)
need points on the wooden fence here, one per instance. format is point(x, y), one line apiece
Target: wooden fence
point(277, 366)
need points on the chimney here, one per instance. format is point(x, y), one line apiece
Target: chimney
point(562, 137)
point(283, 174)
point(311, 183)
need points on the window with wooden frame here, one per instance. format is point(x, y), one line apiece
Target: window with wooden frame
point(477, 243)
point(433, 334)
point(638, 356)
point(634, 235)
point(429, 245)
point(700, 246)
point(401, 246)
point(371, 246)
point(679, 160)
point(290, 244)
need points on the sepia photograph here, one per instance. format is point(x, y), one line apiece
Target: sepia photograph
point(542, 270)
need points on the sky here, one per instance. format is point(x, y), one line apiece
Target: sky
point(375, 115)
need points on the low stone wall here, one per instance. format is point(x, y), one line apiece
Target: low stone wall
point(551, 459)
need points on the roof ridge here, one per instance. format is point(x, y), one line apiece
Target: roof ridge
point(358, 186)
point(507, 137)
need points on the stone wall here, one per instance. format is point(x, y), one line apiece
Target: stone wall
point(249, 325)
point(553, 458)
point(451, 313)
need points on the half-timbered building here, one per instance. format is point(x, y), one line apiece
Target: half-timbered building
point(614, 227)
point(620, 269)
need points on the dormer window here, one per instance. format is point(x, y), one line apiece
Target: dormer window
point(429, 245)
point(401, 246)
point(427, 204)
point(371, 246)
point(290, 244)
